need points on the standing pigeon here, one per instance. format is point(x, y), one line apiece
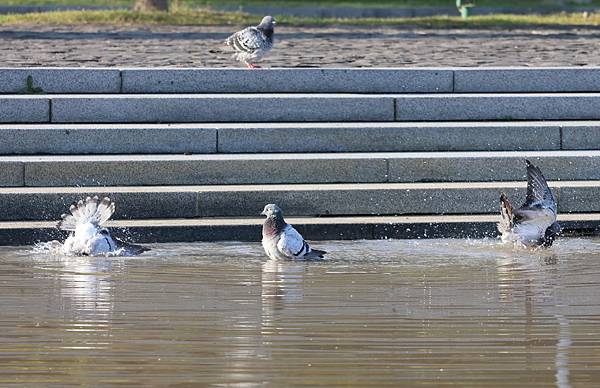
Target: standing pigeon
point(252, 43)
point(533, 224)
point(282, 241)
point(88, 237)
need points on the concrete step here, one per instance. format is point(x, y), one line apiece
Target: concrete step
point(330, 80)
point(114, 170)
point(205, 108)
point(493, 106)
point(345, 80)
point(232, 169)
point(331, 228)
point(47, 203)
point(296, 137)
point(195, 108)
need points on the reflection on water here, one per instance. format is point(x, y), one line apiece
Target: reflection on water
point(428, 312)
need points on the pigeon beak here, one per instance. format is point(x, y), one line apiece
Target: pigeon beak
point(263, 213)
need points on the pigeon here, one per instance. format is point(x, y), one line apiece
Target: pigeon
point(252, 43)
point(88, 237)
point(533, 224)
point(282, 241)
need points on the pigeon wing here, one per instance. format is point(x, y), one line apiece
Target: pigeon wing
point(291, 243)
point(538, 192)
point(247, 40)
point(88, 211)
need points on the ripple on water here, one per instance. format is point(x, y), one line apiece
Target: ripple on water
point(429, 312)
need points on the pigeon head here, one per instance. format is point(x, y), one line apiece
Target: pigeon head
point(272, 211)
point(274, 224)
point(267, 24)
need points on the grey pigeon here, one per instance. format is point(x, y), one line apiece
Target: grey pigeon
point(88, 237)
point(252, 43)
point(533, 224)
point(282, 241)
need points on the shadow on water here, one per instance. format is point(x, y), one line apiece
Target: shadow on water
point(458, 312)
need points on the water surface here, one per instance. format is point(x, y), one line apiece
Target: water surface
point(429, 312)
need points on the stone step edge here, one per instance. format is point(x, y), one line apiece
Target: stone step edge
point(125, 158)
point(103, 190)
point(322, 228)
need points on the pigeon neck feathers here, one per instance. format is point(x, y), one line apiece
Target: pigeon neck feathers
point(267, 31)
point(274, 225)
point(266, 27)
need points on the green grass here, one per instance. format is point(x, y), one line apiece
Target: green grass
point(380, 3)
point(123, 17)
point(298, 3)
point(114, 3)
point(184, 16)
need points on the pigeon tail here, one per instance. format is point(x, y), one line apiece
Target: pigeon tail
point(315, 254)
point(130, 248)
point(88, 211)
point(550, 235)
point(507, 215)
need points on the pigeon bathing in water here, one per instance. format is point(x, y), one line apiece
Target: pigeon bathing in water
point(87, 236)
point(252, 43)
point(282, 241)
point(533, 224)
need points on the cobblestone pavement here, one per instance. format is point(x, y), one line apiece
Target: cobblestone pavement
point(327, 47)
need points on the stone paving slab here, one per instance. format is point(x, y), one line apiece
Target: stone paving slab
point(236, 169)
point(347, 46)
point(493, 166)
point(364, 200)
point(59, 80)
point(220, 108)
point(390, 137)
point(48, 204)
point(23, 109)
point(23, 139)
point(11, 173)
point(520, 80)
point(287, 81)
point(201, 170)
point(580, 136)
point(460, 107)
point(282, 80)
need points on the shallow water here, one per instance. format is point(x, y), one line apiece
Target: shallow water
point(429, 312)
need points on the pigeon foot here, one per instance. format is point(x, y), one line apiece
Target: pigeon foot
point(252, 66)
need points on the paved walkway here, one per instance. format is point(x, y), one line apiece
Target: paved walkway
point(330, 47)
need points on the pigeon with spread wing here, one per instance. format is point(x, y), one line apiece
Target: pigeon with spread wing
point(533, 224)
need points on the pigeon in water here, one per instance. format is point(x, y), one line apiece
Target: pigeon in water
point(87, 236)
point(533, 224)
point(282, 241)
point(252, 43)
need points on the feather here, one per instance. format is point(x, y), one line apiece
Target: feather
point(537, 187)
point(87, 236)
point(87, 212)
point(506, 215)
point(534, 223)
point(283, 241)
point(252, 43)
